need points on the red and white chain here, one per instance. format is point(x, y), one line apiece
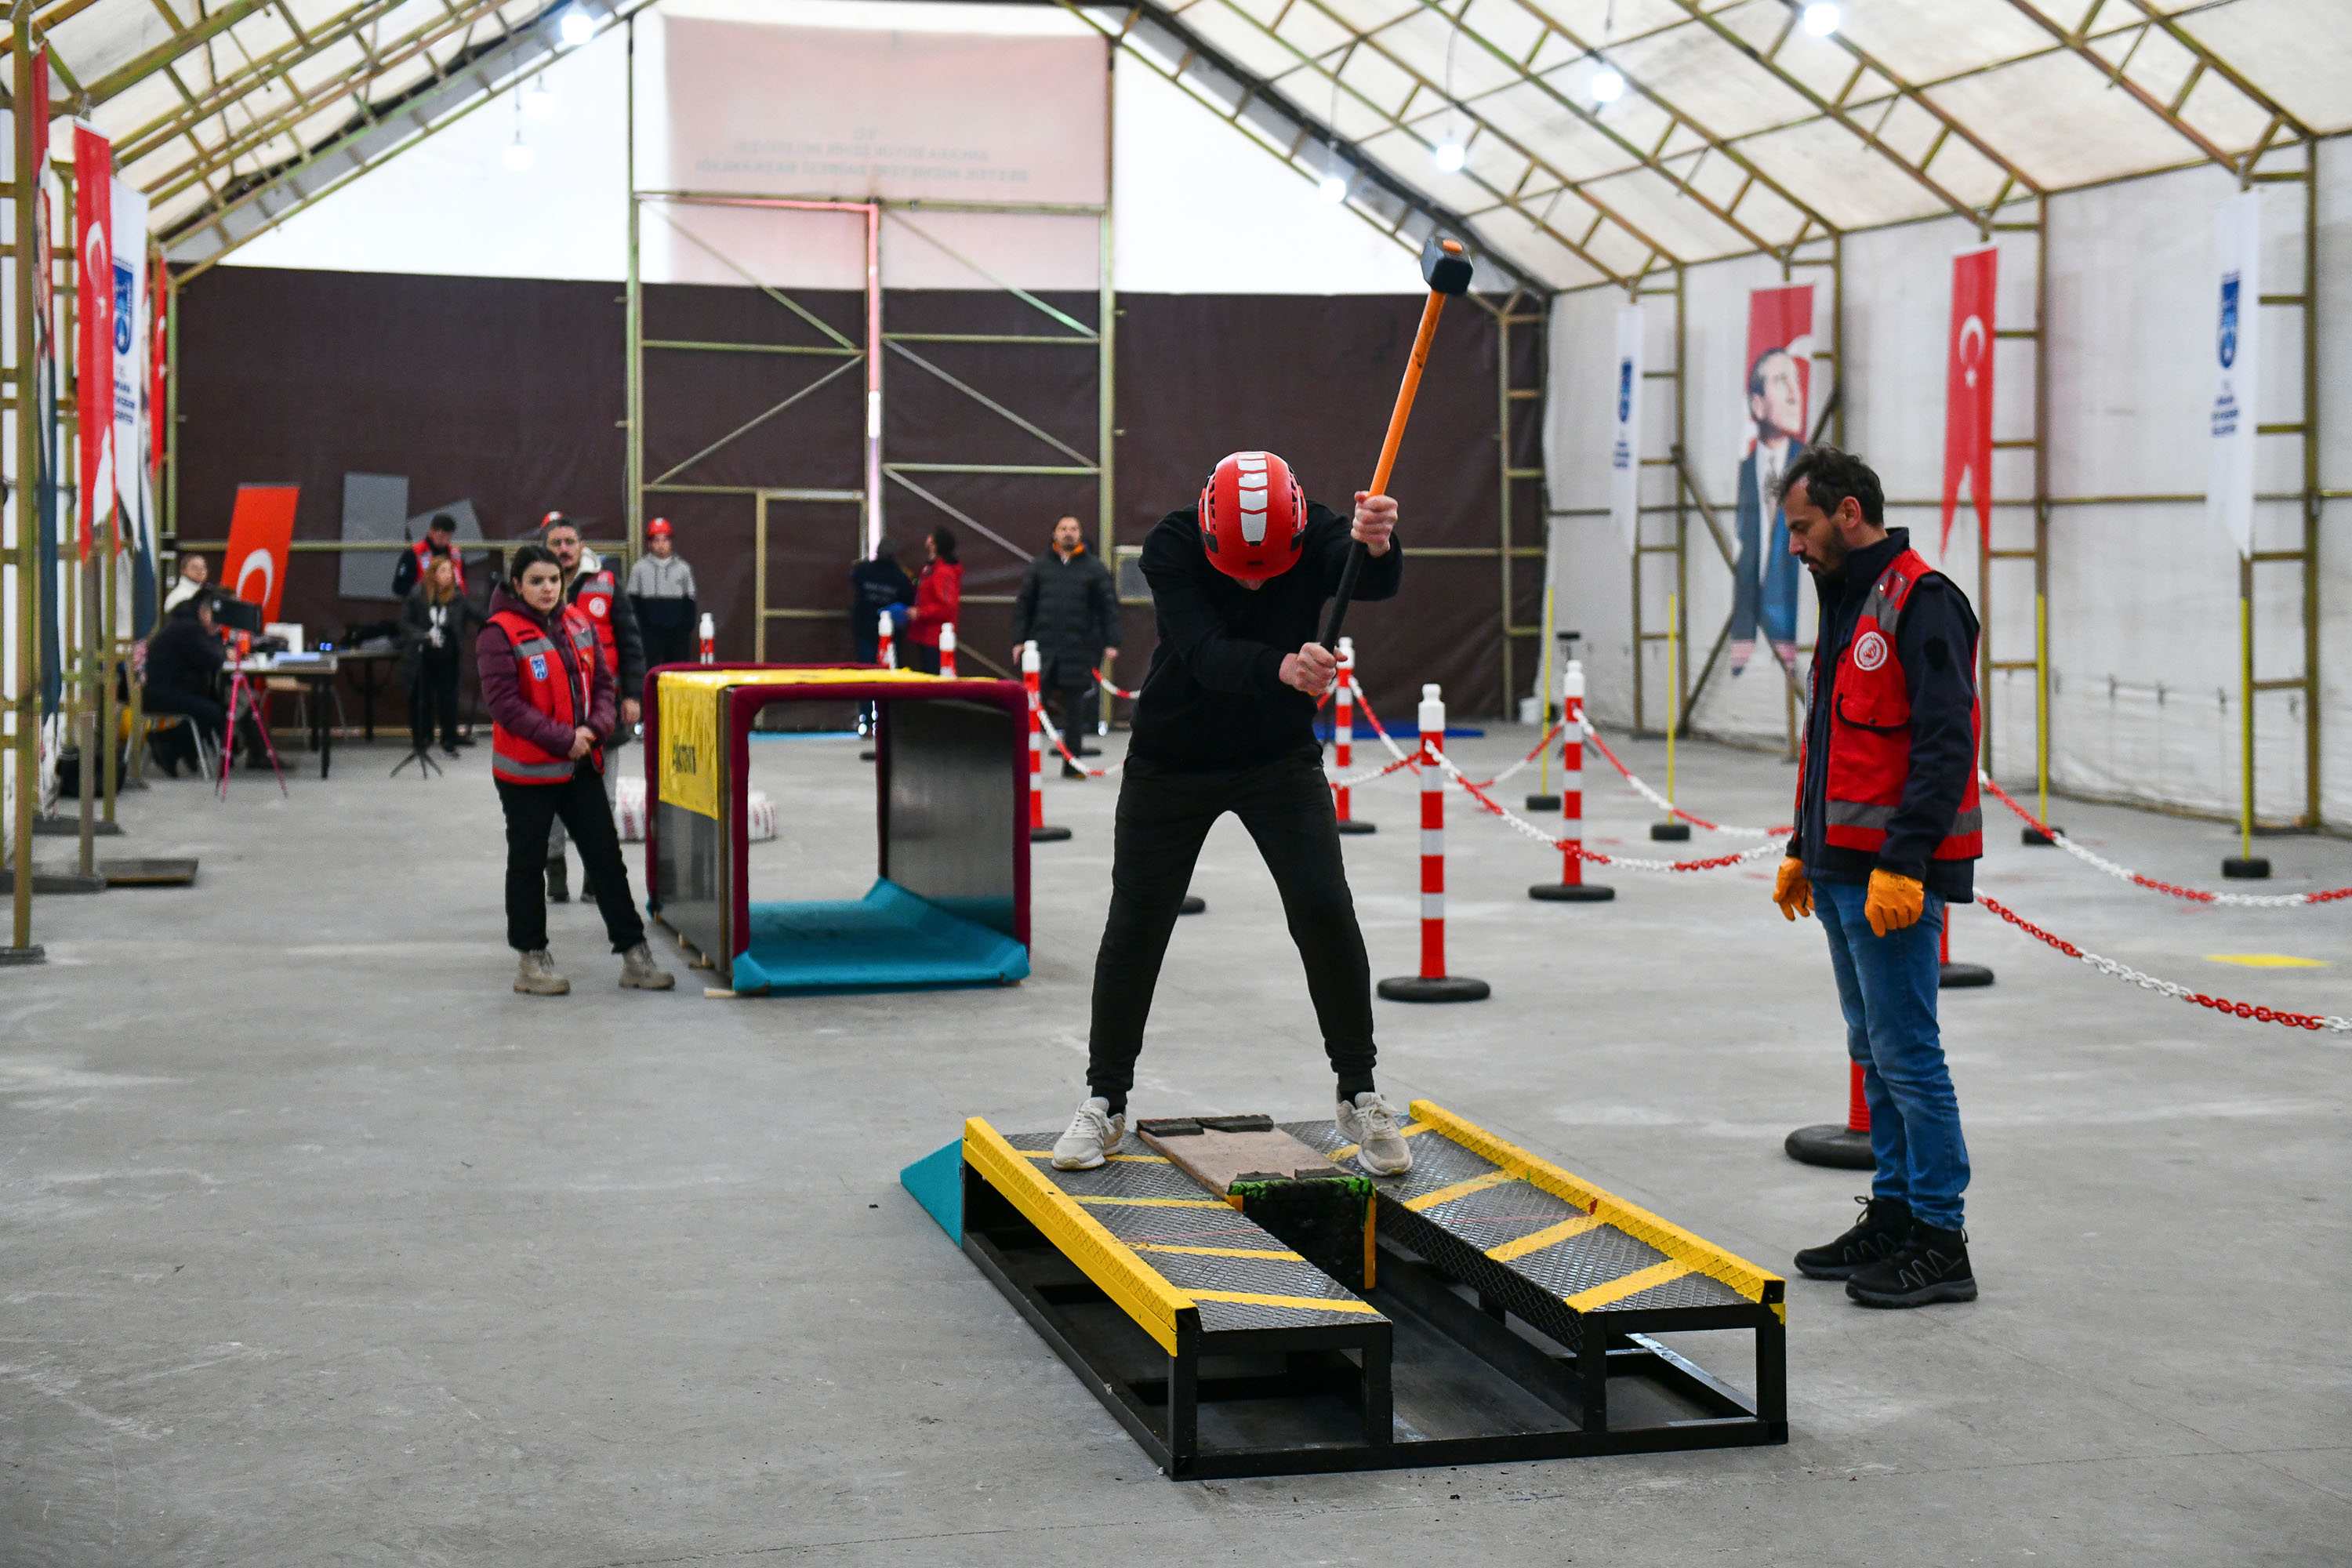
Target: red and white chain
point(1055, 735)
point(1115, 690)
point(2178, 992)
point(2125, 874)
point(1669, 807)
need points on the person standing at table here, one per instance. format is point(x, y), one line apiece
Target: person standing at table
point(939, 597)
point(551, 696)
point(195, 574)
point(590, 586)
point(662, 597)
point(433, 623)
point(1068, 607)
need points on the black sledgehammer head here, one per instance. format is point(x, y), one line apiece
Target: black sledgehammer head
point(1446, 265)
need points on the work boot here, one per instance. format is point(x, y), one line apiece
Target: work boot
point(1931, 1266)
point(640, 973)
point(1380, 1149)
point(1884, 1225)
point(536, 976)
point(1094, 1132)
point(558, 890)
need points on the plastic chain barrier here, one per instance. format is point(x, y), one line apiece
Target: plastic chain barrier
point(1662, 803)
point(1103, 681)
point(1374, 721)
point(2125, 874)
point(2177, 993)
point(1056, 736)
point(1714, 863)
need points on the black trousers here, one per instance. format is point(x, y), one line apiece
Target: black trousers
point(1163, 815)
point(580, 803)
point(433, 687)
point(201, 711)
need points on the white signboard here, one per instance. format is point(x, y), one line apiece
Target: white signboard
point(2238, 255)
point(1625, 435)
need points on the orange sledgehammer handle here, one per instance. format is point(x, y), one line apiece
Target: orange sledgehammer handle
point(1395, 438)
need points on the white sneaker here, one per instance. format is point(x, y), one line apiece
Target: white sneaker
point(1094, 1132)
point(1380, 1149)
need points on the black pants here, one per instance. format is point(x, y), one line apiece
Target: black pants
point(1073, 712)
point(580, 802)
point(433, 687)
point(203, 715)
point(923, 656)
point(1163, 815)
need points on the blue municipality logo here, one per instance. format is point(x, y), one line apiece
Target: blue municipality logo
point(538, 666)
point(125, 279)
point(1625, 390)
point(2229, 343)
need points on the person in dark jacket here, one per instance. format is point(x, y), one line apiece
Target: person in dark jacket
point(875, 586)
point(1889, 833)
point(552, 706)
point(434, 620)
point(1225, 722)
point(184, 666)
point(592, 585)
point(1069, 606)
point(662, 598)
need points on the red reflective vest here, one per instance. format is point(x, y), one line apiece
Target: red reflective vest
point(1870, 728)
point(560, 691)
point(422, 551)
point(593, 594)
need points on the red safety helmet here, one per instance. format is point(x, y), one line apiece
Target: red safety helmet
point(1253, 517)
point(657, 529)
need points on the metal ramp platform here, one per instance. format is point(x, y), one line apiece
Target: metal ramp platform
point(1512, 1312)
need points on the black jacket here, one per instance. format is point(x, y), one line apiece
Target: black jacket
point(417, 629)
point(183, 656)
point(1071, 610)
point(1936, 643)
point(874, 586)
point(1214, 696)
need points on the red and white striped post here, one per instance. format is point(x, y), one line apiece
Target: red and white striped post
point(1847, 1147)
point(946, 650)
point(1343, 734)
point(882, 651)
point(1572, 887)
point(706, 636)
point(1433, 984)
point(1038, 832)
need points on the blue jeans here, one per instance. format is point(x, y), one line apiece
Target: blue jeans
point(1886, 987)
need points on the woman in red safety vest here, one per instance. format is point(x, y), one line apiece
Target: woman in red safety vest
point(939, 597)
point(549, 692)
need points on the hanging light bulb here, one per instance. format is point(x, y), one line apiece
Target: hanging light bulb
point(1450, 154)
point(519, 154)
point(1821, 18)
point(1607, 85)
point(538, 99)
point(576, 29)
point(1333, 187)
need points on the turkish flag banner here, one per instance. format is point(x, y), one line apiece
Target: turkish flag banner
point(94, 317)
point(1968, 391)
point(260, 534)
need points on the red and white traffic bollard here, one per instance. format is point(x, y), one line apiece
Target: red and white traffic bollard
point(882, 650)
point(1343, 735)
point(1038, 832)
point(1572, 887)
point(1433, 984)
point(946, 650)
point(1847, 1148)
point(707, 639)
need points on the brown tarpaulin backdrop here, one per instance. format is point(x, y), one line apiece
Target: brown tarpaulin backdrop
point(511, 392)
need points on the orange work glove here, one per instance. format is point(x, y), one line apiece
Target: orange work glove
point(1792, 889)
point(1893, 902)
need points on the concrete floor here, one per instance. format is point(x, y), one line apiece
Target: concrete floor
point(319, 1245)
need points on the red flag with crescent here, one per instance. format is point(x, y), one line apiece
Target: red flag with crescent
point(94, 314)
point(1968, 390)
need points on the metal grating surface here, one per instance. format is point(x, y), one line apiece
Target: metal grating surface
point(1690, 1290)
point(1213, 1223)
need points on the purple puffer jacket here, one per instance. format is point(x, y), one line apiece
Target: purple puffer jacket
point(494, 657)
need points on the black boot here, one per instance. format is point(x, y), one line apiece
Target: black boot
point(1932, 1266)
point(558, 890)
point(1884, 1225)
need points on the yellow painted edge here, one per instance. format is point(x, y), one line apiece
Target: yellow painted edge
point(1703, 1257)
point(1217, 1251)
point(1633, 1284)
point(1125, 1279)
point(1550, 1236)
point(1349, 1150)
point(1436, 1195)
point(1304, 1303)
point(1122, 1158)
point(2265, 961)
point(1147, 1203)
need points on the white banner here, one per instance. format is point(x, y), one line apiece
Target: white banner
point(130, 366)
point(2238, 257)
point(1625, 441)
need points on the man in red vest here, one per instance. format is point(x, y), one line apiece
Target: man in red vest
point(1888, 834)
point(595, 588)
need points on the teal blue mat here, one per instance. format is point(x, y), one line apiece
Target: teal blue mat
point(889, 941)
point(937, 1182)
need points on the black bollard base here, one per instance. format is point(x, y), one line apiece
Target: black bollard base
point(1444, 988)
point(1543, 803)
point(56, 882)
point(1960, 976)
point(1048, 834)
point(2254, 868)
point(1352, 826)
point(1670, 832)
point(1572, 893)
point(35, 953)
point(1193, 904)
point(867, 755)
point(2034, 838)
point(1832, 1145)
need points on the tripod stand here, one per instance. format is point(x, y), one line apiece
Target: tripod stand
point(425, 765)
point(242, 692)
